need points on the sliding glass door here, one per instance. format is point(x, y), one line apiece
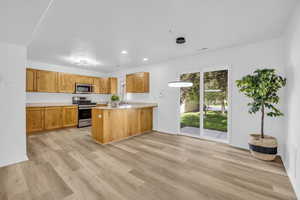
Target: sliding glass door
point(204, 106)
point(190, 105)
point(215, 108)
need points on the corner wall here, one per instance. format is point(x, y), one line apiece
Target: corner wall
point(242, 60)
point(12, 104)
point(292, 132)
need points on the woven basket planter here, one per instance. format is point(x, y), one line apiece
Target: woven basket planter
point(263, 148)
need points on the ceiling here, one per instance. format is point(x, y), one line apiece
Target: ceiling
point(101, 29)
point(18, 19)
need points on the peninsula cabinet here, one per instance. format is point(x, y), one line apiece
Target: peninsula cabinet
point(49, 118)
point(114, 124)
point(137, 82)
point(34, 119)
point(46, 81)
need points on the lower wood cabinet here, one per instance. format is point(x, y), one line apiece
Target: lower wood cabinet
point(34, 119)
point(53, 118)
point(49, 118)
point(70, 116)
point(109, 125)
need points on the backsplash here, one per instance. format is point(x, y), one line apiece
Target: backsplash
point(61, 97)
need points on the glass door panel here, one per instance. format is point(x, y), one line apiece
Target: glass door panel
point(215, 108)
point(190, 105)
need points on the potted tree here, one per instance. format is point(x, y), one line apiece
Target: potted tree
point(262, 87)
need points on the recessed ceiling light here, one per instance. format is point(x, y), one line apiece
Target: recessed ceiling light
point(145, 59)
point(124, 52)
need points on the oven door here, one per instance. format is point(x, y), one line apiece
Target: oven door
point(84, 117)
point(84, 88)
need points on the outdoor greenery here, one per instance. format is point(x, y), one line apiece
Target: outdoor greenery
point(262, 87)
point(213, 120)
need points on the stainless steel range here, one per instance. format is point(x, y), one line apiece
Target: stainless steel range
point(84, 110)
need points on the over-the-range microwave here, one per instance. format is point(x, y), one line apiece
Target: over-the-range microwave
point(83, 88)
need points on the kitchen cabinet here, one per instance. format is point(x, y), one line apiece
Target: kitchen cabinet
point(53, 118)
point(110, 125)
point(104, 86)
point(113, 85)
point(137, 82)
point(30, 80)
point(34, 119)
point(70, 116)
point(66, 83)
point(46, 81)
point(84, 79)
point(96, 83)
point(59, 82)
point(146, 119)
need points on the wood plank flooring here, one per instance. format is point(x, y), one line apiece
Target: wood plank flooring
point(68, 165)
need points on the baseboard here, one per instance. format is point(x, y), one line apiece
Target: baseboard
point(13, 161)
point(292, 180)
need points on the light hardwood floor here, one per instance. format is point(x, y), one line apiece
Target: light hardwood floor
point(68, 165)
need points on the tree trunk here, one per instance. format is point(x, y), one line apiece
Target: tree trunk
point(262, 120)
point(223, 106)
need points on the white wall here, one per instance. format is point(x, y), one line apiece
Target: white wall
point(34, 97)
point(243, 60)
point(292, 156)
point(12, 104)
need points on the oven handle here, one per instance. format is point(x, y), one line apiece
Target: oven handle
point(85, 108)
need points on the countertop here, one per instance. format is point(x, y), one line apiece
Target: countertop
point(48, 104)
point(128, 106)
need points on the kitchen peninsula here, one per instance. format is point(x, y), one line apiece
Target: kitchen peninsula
point(111, 124)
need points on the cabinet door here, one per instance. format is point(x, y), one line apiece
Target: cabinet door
point(113, 85)
point(46, 81)
point(85, 80)
point(53, 118)
point(66, 83)
point(30, 80)
point(104, 86)
point(96, 85)
point(134, 121)
point(34, 119)
point(70, 116)
point(137, 82)
point(130, 83)
point(146, 119)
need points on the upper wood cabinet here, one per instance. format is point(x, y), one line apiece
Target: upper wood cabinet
point(46, 81)
point(104, 86)
point(70, 116)
point(30, 80)
point(66, 83)
point(96, 83)
point(84, 79)
point(137, 82)
point(113, 85)
point(34, 119)
point(53, 118)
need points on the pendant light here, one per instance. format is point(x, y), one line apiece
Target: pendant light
point(180, 84)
